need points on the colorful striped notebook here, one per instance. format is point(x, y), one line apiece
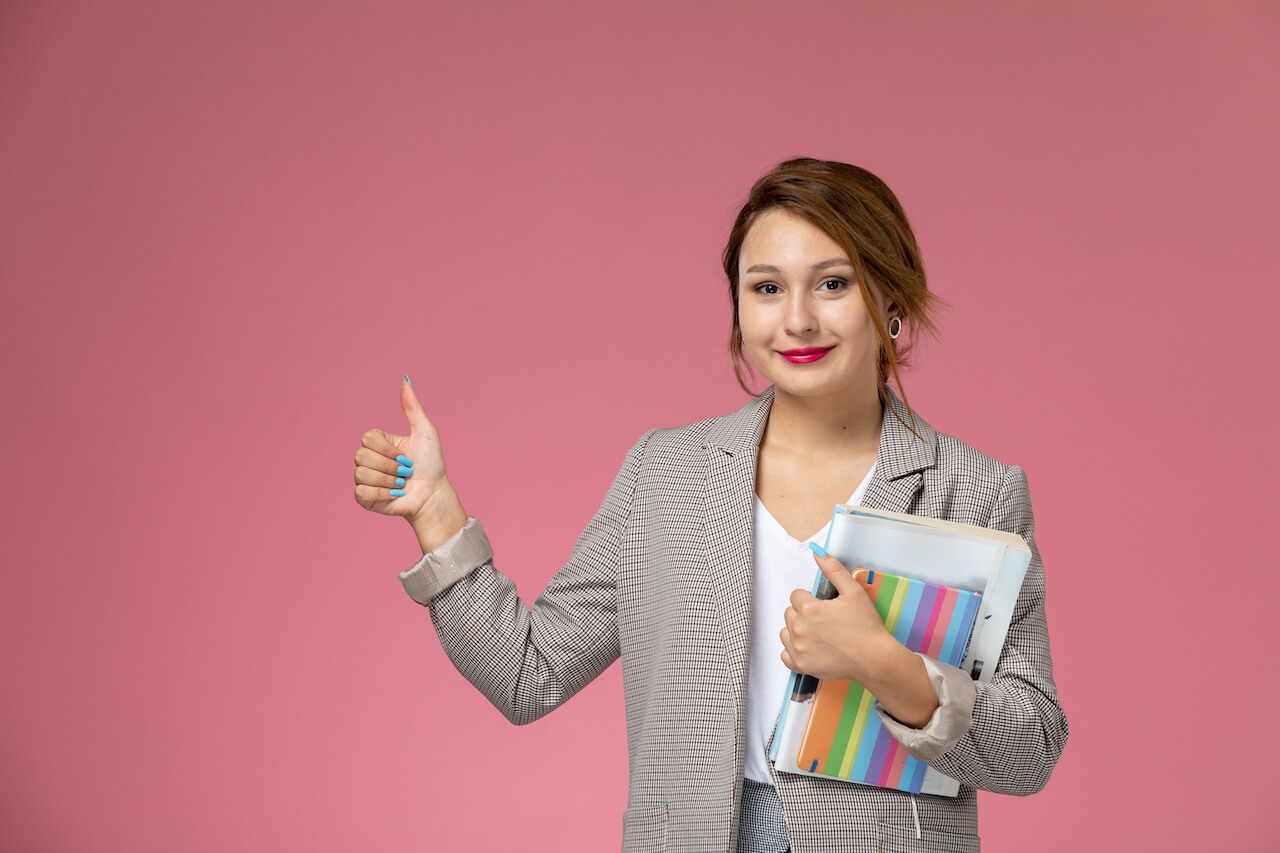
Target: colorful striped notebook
point(844, 736)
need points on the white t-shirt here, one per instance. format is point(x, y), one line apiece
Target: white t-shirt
point(779, 566)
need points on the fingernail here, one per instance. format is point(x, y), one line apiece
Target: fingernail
point(817, 549)
point(404, 460)
point(404, 472)
point(399, 481)
point(406, 379)
point(397, 493)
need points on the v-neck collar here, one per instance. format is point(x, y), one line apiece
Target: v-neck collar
point(861, 489)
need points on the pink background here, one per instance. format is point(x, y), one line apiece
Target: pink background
point(227, 229)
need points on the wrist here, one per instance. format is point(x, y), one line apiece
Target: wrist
point(900, 681)
point(437, 520)
point(881, 662)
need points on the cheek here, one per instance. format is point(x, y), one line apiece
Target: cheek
point(749, 323)
point(853, 322)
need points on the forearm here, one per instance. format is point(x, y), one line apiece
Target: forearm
point(1019, 728)
point(1004, 736)
point(525, 662)
point(1015, 742)
point(517, 658)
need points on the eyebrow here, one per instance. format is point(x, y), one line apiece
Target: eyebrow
point(821, 265)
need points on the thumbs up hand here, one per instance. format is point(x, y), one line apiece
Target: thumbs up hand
point(404, 475)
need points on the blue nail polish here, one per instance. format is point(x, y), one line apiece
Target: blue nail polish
point(817, 549)
point(397, 493)
point(406, 379)
point(399, 481)
point(404, 460)
point(404, 472)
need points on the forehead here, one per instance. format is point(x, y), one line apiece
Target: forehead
point(781, 239)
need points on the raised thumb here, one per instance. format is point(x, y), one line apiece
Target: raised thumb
point(413, 411)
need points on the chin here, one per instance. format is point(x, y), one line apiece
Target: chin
point(811, 390)
point(808, 387)
point(820, 386)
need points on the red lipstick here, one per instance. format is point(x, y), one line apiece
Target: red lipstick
point(804, 355)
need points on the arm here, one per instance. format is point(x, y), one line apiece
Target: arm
point(525, 662)
point(528, 662)
point(1018, 727)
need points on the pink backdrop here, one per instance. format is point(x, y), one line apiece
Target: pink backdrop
point(227, 229)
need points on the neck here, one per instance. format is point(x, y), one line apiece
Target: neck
point(826, 427)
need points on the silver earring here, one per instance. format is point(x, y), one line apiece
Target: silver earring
point(895, 327)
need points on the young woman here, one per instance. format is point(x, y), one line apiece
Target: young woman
point(695, 569)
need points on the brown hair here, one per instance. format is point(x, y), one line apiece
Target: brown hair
point(860, 213)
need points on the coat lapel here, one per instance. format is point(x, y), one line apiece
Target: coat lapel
point(901, 459)
point(732, 447)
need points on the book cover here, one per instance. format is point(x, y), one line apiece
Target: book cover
point(844, 736)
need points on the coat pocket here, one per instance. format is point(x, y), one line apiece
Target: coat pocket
point(902, 839)
point(644, 829)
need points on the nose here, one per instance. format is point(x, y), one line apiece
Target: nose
point(800, 318)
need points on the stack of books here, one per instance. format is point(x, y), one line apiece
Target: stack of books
point(943, 589)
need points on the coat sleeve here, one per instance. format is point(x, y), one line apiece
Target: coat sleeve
point(528, 662)
point(1019, 728)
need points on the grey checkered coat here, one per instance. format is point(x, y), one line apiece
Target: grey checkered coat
point(661, 577)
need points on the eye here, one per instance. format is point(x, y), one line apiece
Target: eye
point(767, 289)
point(834, 285)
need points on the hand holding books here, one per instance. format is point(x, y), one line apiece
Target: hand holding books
point(845, 637)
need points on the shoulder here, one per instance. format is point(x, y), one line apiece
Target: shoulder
point(921, 447)
point(668, 451)
point(734, 433)
point(957, 459)
point(959, 482)
point(688, 438)
point(962, 483)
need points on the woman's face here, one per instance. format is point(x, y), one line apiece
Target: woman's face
point(804, 323)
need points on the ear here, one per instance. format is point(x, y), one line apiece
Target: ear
point(889, 307)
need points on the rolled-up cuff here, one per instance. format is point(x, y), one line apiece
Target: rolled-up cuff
point(956, 695)
point(460, 555)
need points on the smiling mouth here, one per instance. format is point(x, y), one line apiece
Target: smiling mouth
point(804, 355)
